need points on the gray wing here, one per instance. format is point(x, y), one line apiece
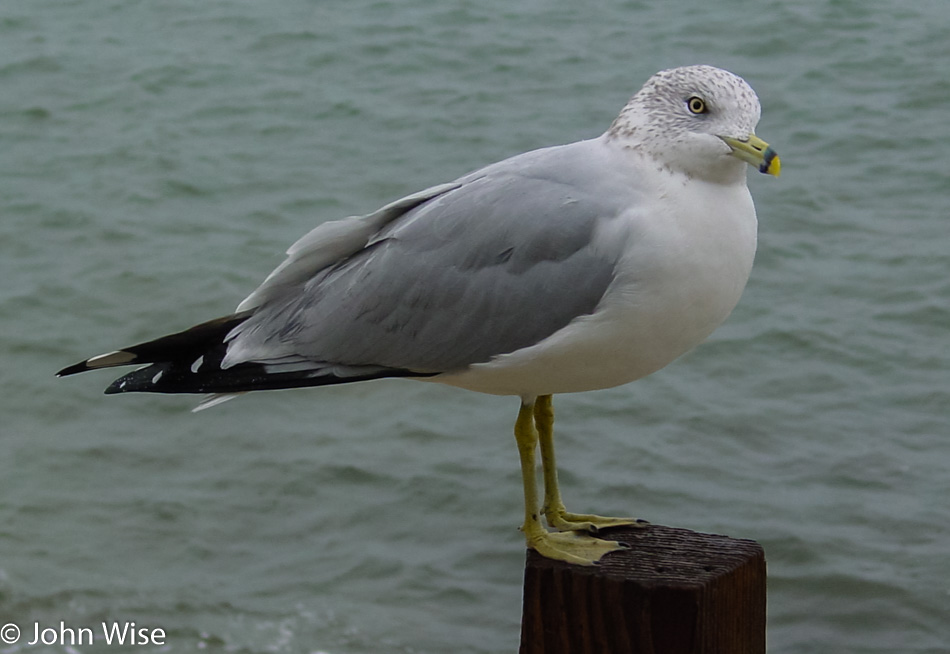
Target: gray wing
point(493, 263)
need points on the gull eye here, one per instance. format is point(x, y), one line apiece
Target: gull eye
point(697, 105)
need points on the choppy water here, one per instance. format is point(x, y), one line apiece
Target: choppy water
point(156, 159)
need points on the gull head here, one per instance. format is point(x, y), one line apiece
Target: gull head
point(696, 120)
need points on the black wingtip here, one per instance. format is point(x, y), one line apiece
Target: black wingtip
point(186, 345)
point(168, 377)
point(163, 377)
point(73, 369)
point(107, 360)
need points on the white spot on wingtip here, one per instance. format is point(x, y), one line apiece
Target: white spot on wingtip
point(197, 364)
point(157, 376)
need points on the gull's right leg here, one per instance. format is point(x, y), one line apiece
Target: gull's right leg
point(571, 546)
point(554, 511)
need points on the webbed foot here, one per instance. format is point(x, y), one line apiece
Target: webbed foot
point(572, 547)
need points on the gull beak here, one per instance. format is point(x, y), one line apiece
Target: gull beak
point(756, 152)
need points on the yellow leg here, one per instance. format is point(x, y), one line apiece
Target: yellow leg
point(572, 546)
point(557, 516)
point(527, 438)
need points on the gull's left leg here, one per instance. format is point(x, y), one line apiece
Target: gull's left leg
point(553, 509)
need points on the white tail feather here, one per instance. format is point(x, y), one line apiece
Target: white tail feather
point(214, 400)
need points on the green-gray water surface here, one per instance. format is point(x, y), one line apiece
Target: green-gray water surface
point(156, 158)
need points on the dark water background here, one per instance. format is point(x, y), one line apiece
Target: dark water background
point(157, 158)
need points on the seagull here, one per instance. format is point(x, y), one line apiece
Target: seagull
point(565, 269)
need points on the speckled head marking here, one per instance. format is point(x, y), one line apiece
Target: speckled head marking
point(662, 120)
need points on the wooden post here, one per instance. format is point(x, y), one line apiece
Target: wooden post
point(674, 591)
